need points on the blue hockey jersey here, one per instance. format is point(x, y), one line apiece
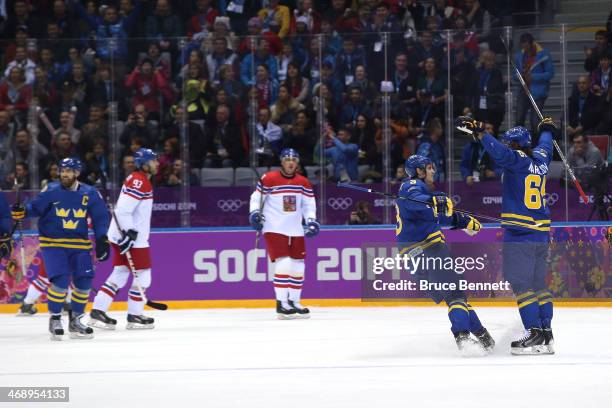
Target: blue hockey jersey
point(417, 225)
point(63, 216)
point(524, 186)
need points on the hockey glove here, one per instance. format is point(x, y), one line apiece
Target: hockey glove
point(256, 219)
point(442, 205)
point(18, 211)
point(469, 224)
point(469, 126)
point(6, 246)
point(102, 248)
point(311, 228)
point(547, 124)
point(127, 241)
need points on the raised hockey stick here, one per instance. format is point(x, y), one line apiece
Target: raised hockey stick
point(150, 303)
point(395, 197)
point(539, 113)
point(19, 226)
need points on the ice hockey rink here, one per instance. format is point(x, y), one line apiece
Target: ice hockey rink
point(341, 357)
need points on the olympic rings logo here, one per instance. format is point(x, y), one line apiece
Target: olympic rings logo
point(551, 199)
point(340, 203)
point(230, 205)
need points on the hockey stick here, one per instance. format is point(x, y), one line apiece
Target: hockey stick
point(19, 226)
point(132, 268)
point(262, 201)
point(395, 197)
point(539, 113)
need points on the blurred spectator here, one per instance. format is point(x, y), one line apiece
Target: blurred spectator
point(432, 146)
point(267, 87)
point(255, 31)
point(62, 147)
point(220, 56)
point(584, 109)
point(270, 136)
point(299, 87)
point(412, 13)
point(27, 153)
point(283, 112)
point(536, 66)
point(305, 13)
point(476, 164)
point(369, 92)
point(106, 90)
point(605, 125)
point(163, 25)
point(601, 77)
point(462, 77)
point(223, 145)
point(55, 41)
point(488, 92)
point(60, 15)
point(363, 135)
point(443, 11)
point(431, 85)
point(302, 137)
point(148, 86)
point(160, 63)
point(97, 166)
point(584, 157)
point(286, 57)
point(348, 59)
point(170, 153)
point(44, 91)
point(478, 19)
point(334, 85)
point(139, 125)
point(197, 92)
point(195, 133)
point(22, 61)
point(275, 12)
point(356, 106)
point(77, 91)
point(251, 61)
point(46, 61)
point(202, 21)
point(460, 49)
point(21, 17)
point(362, 215)
point(21, 41)
point(67, 125)
point(322, 97)
point(95, 129)
point(343, 154)
point(404, 80)
point(21, 173)
point(221, 28)
point(52, 174)
point(602, 46)
point(172, 176)
point(15, 93)
point(7, 141)
point(128, 165)
point(233, 87)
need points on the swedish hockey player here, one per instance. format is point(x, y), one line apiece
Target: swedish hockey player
point(419, 231)
point(131, 236)
point(526, 225)
point(63, 210)
point(283, 207)
point(6, 240)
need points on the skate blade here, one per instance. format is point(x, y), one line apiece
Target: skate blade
point(137, 326)
point(532, 351)
point(56, 337)
point(281, 316)
point(19, 314)
point(100, 325)
point(302, 316)
point(473, 349)
point(80, 336)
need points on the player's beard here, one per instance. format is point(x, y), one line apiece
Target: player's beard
point(68, 181)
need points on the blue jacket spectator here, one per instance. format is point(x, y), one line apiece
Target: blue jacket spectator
point(477, 165)
point(356, 106)
point(343, 154)
point(348, 59)
point(260, 57)
point(432, 146)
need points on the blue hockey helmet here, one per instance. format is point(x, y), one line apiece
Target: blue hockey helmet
point(143, 156)
point(289, 153)
point(72, 163)
point(517, 134)
point(415, 162)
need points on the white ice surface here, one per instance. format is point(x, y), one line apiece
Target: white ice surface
point(342, 357)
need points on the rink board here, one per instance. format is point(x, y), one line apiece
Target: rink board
point(221, 268)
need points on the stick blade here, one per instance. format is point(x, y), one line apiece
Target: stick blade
point(156, 305)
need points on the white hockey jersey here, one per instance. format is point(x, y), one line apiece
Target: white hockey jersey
point(287, 200)
point(133, 209)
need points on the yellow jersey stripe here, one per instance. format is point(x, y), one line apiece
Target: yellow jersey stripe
point(47, 239)
point(59, 245)
point(529, 226)
point(525, 218)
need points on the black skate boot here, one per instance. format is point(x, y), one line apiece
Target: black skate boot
point(284, 313)
point(77, 329)
point(301, 312)
point(549, 340)
point(531, 343)
point(466, 344)
point(55, 327)
point(27, 309)
point(485, 340)
point(100, 320)
point(139, 322)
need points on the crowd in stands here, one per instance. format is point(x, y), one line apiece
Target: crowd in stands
point(211, 65)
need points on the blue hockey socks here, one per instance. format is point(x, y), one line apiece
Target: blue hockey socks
point(459, 316)
point(529, 309)
point(545, 302)
point(475, 325)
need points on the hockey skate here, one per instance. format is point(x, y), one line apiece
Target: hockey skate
point(100, 320)
point(27, 309)
point(55, 328)
point(301, 312)
point(77, 329)
point(531, 343)
point(549, 340)
point(485, 340)
point(284, 313)
point(139, 322)
point(67, 308)
point(468, 346)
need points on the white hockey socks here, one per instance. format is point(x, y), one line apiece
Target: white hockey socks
point(36, 289)
point(136, 301)
point(282, 271)
point(107, 292)
point(296, 280)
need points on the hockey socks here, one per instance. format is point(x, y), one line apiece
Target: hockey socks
point(545, 303)
point(105, 296)
point(36, 289)
point(55, 299)
point(529, 309)
point(475, 325)
point(78, 300)
point(459, 316)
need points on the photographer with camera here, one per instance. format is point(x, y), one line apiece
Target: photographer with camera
point(362, 215)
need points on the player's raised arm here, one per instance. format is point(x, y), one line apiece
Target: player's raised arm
point(544, 150)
